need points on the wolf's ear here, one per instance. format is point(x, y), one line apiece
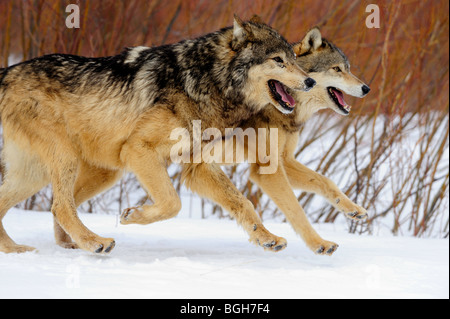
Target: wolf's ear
point(240, 33)
point(256, 19)
point(311, 42)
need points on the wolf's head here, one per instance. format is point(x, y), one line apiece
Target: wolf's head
point(328, 65)
point(271, 65)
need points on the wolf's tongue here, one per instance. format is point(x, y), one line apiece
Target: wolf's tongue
point(284, 95)
point(340, 97)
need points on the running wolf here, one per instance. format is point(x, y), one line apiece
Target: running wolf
point(330, 67)
point(79, 122)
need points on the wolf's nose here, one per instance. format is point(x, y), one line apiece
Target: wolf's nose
point(365, 89)
point(309, 82)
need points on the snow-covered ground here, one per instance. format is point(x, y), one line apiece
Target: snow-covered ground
point(197, 258)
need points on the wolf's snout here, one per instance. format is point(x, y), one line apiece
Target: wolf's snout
point(365, 89)
point(309, 84)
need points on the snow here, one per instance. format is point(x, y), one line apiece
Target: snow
point(211, 258)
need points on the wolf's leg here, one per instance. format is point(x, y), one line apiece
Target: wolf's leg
point(24, 177)
point(277, 187)
point(209, 181)
point(62, 238)
point(64, 169)
point(308, 180)
point(91, 180)
point(149, 167)
point(11, 194)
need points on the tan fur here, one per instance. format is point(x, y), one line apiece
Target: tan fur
point(290, 173)
point(109, 144)
point(78, 123)
point(293, 175)
point(209, 181)
point(141, 145)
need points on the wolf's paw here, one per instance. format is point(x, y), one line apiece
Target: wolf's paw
point(351, 210)
point(130, 215)
point(268, 241)
point(323, 247)
point(148, 214)
point(105, 247)
point(136, 215)
point(274, 245)
point(97, 245)
point(14, 248)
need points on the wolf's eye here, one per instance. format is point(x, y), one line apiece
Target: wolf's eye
point(337, 69)
point(278, 59)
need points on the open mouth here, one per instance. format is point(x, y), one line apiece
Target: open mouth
point(338, 98)
point(280, 95)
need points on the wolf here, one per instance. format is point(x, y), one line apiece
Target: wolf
point(79, 123)
point(330, 67)
point(327, 64)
